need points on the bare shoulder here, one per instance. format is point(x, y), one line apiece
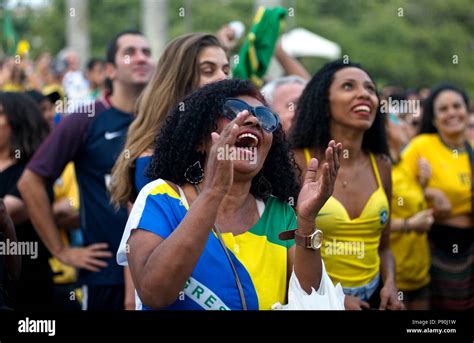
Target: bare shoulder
point(384, 165)
point(146, 153)
point(383, 161)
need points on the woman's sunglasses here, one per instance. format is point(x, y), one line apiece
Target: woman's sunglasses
point(268, 119)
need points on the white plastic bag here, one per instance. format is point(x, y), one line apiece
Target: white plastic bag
point(327, 297)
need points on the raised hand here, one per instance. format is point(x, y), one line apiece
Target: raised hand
point(219, 174)
point(316, 189)
point(227, 37)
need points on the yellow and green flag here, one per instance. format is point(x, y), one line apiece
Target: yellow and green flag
point(259, 44)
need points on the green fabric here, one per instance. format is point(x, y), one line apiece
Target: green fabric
point(260, 42)
point(277, 217)
point(9, 36)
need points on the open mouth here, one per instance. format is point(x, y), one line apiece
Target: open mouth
point(247, 141)
point(362, 109)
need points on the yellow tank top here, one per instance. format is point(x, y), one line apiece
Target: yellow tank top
point(350, 248)
point(410, 249)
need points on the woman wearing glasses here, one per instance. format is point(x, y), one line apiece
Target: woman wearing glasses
point(205, 234)
point(443, 143)
point(341, 103)
point(188, 62)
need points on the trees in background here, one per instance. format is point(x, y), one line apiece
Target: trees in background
point(408, 43)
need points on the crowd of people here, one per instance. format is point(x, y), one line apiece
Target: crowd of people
point(334, 201)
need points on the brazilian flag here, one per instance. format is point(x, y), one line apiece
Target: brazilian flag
point(259, 44)
point(9, 36)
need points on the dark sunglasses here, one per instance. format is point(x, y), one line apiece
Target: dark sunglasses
point(268, 119)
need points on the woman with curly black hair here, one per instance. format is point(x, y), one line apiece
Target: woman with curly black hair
point(205, 234)
point(341, 103)
point(443, 143)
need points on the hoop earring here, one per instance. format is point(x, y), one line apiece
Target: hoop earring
point(194, 174)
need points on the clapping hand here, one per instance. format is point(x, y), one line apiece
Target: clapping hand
point(316, 188)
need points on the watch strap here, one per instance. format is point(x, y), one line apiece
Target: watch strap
point(301, 240)
point(287, 235)
point(304, 241)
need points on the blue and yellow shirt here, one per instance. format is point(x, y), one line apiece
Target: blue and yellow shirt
point(259, 256)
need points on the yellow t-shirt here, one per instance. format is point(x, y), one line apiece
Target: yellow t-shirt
point(65, 187)
point(410, 249)
point(451, 170)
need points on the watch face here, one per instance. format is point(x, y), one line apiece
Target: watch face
point(317, 239)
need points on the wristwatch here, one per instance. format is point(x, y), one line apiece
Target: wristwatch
point(313, 241)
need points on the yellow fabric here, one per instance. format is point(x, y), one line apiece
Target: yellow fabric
point(451, 171)
point(350, 248)
point(11, 87)
point(164, 188)
point(65, 187)
point(410, 249)
point(252, 52)
point(53, 88)
point(261, 255)
point(307, 155)
point(65, 273)
point(259, 15)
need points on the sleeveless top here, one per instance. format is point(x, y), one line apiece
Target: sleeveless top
point(350, 248)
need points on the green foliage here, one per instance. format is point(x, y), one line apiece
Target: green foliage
point(401, 42)
point(407, 43)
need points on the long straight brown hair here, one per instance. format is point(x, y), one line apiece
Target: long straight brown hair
point(176, 75)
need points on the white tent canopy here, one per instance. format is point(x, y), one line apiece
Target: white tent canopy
point(300, 42)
